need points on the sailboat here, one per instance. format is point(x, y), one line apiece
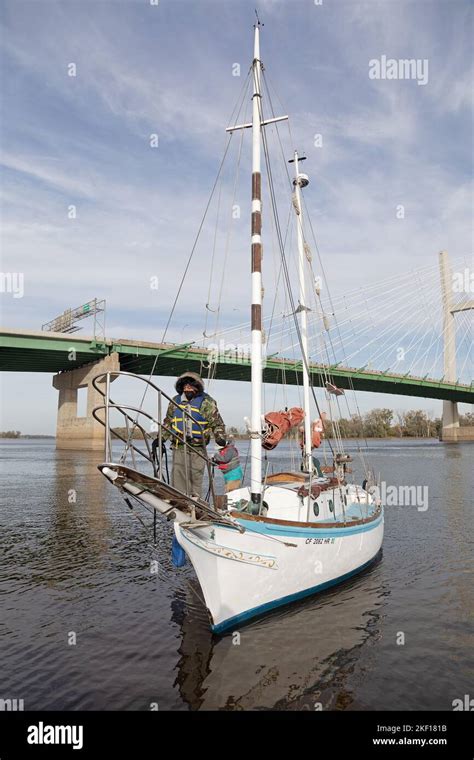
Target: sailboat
point(281, 537)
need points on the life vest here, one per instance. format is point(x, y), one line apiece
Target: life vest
point(278, 424)
point(194, 428)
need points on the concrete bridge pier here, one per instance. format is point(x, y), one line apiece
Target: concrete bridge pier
point(450, 429)
point(81, 433)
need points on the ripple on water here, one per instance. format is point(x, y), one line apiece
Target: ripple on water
point(143, 637)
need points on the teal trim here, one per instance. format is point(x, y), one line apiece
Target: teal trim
point(244, 616)
point(272, 529)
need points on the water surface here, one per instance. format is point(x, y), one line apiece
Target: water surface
point(76, 563)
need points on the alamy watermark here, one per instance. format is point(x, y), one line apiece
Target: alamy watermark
point(401, 68)
point(463, 282)
point(402, 496)
point(12, 282)
point(48, 734)
point(463, 704)
point(11, 705)
point(231, 353)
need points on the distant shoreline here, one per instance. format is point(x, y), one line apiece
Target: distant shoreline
point(17, 437)
point(247, 438)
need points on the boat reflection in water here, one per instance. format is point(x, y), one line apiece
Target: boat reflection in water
point(297, 658)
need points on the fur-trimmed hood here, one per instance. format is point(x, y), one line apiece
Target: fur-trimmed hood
point(194, 379)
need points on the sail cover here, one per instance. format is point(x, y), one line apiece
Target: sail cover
point(278, 425)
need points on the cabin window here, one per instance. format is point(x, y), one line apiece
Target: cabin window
point(316, 508)
point(331, 505)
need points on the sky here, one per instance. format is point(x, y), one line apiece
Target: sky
point(90, 209)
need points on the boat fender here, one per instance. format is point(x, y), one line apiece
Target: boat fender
point(178, 555)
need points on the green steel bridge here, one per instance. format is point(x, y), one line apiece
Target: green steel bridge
point(27, 351)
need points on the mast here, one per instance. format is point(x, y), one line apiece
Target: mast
point(256, 269)
point(301, 180)
point(256, 307)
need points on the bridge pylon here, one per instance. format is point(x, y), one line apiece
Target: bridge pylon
point(451, 432)
point(81, 433)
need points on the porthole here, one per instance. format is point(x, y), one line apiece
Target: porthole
point(331, 505)
point(316, 508)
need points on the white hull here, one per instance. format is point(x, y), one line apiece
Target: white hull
point(275, 560)
point(243, 575)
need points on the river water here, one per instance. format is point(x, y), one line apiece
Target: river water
point(86, 624)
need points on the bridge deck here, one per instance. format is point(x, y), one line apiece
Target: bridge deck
point(28, 351)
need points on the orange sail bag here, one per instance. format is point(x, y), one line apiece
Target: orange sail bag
point(278, 425)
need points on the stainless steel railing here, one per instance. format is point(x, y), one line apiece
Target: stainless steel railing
point(102, 383)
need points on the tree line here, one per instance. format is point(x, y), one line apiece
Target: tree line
point(378, 423)
point(384, 423)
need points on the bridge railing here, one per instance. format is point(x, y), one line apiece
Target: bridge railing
point(155, 452)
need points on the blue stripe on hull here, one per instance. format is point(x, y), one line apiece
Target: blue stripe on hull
point(230, 622)
point(291, 531)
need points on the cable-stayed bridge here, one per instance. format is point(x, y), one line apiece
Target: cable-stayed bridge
point(404, 335)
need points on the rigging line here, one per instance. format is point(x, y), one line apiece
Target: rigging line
point(240, 100)
point(272, 110)
point(212, 258)
point(288, 123)
point(241, 96)
point(285, 162)
point(282, 253)
point(196, 241)
point(243, 91)
point(337, 428)
point(212, 372)
point(351, 385)
point(270, 334)
point(230, 229)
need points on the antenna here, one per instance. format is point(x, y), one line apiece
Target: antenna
point(259, 23)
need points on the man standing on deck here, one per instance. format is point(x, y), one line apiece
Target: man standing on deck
point(192, 416)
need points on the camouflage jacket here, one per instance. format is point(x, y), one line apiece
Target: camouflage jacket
point(210, 413)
